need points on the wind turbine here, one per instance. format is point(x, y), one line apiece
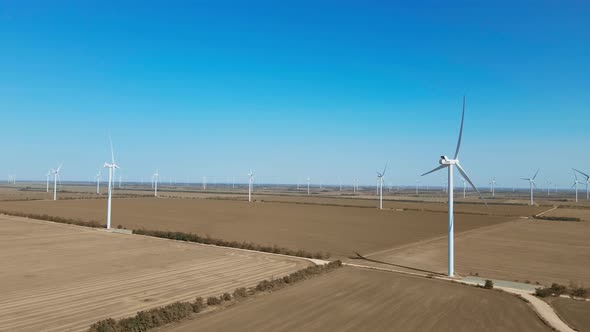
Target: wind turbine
point(380, 177)
point(112, 166)
point(55, 176)
point(250, 178)
point(308, 182)
point(493, 185)
point(449, 163)
point(532, 183)
point(587, 183)
point(464, 186)
point(47, 180)
point(575, 185)
point(98, 181)
point(417, 183)
point(155, 177)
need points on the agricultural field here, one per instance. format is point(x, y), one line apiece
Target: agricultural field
point(59, 277)
point(338, 230)
point(363, 300)
point(582, 213)
point(575, 313)
point(524, 250)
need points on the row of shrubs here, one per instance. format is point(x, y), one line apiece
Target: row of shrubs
point(153, 318)
point(558, 290)
point(61, 220)
point(557, 218)
point(191, 237)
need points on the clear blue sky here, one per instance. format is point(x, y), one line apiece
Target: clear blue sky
point(330, 89)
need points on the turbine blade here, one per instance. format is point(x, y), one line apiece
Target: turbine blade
point(525, 179)
point(536, 174)
point(434, 170)
point(112, 150)
point(384, 169)
point(462, 171)
point(460, 130)
point(60, 165)
point(573, 185)
point(584, 174)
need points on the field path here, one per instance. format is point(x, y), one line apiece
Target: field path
point(58, 277)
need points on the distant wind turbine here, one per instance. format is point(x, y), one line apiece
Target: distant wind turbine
point(308, 182)
point(464, 186)
point(47, 180)
point(380, 177)
point(55, 176)
point(250, 179)
point(493, 186)
point(98, 181)
point(449, 163)
point(532, 184)
point(575, 185)
point(587, 183)
point(111, 166)
point(155, 179)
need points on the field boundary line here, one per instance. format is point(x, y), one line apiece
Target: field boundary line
point(542, 213)
point(441, 237)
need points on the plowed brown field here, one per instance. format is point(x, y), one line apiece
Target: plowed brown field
point(334, 229)
point(362, 300)
point(58, 277)
point(533, 250)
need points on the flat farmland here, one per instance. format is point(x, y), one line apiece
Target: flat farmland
point(575, 313)
point(334, 229)
point(58, 277)
point(363, 300)
point(533, 250)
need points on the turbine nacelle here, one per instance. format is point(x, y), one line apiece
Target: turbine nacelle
point(444, 160)
point(107, 165)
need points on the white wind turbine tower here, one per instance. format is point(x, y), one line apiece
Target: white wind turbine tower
point(308, 182)
point(47, 180)
point(493, 184)
point(417, 183)
point(155, 177)
point(380, 177)
point(575, 185)
point(464, 186)
point(532, 183)
point(98, 181)
point(587, 183)
point(112, 166)
point(449, 163)
point(55, 176)
point(250, 179)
